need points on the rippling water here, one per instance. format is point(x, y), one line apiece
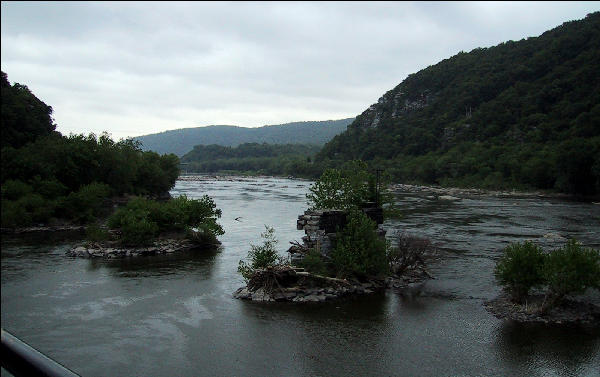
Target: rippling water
point(174, 315)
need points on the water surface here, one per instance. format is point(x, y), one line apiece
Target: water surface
point(174, 315)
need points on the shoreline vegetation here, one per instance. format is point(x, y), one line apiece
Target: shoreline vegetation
point(118, 192)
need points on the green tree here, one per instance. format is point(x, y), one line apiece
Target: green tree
point(344, 188)
point(359, 251)
point(24, 116)
point(261, 256)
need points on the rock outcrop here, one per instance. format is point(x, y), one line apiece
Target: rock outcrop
point(320, 227)
point(96, 250)
point(286, 283)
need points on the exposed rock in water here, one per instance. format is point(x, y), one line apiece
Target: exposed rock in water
point(109, 251)
point(286, 283)
point(569, 311)
point(439, 192)
point(554, 236)
point(40, 229)
point(448, 197)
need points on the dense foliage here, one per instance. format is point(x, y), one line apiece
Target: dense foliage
point(142, 220)
point(521, 114)
point(568, 270)
point(183, 141)
point(359, 251)
point(271, 159)
point(520, 269)
point(349, 187)
point(24, 116)
point(572, 269)
point(47, 177)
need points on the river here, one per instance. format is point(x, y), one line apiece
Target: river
point(175, 315)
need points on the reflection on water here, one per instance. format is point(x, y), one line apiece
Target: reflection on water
point(192, 261)
point(174, 314)
point(550, 350)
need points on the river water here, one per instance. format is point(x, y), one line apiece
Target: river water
point(175, 315)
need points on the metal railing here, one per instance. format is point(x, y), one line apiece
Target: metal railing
point(20, 359)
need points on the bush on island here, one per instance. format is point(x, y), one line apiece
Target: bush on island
point(261, 256)
point(568, 270)
point(142, 220)
point(520, 269)
point(359, 251)
point(571, 270)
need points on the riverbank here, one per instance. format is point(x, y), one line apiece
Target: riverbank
point(450, 193)
point(42, 229)
point(453, 193)
point(584, 310)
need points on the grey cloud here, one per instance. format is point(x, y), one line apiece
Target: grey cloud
point(136, 68)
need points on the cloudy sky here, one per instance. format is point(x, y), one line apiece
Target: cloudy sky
point(138, 68)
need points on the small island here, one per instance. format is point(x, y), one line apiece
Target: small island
point(344, 250)
point(549, 287)
point(147, 227)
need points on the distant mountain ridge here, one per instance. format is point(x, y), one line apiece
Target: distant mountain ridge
point(183, 140)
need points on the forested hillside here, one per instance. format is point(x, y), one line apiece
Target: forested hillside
point(183, 140)
point(48, 178)
point(521, 114)
point(273, 159)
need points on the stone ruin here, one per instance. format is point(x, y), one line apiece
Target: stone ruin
point(320, 227)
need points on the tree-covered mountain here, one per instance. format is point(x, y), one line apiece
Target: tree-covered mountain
point(183, 140)
point(272, 159)
point(520, 114)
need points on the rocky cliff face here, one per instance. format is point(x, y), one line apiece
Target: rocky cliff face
point(393, 104)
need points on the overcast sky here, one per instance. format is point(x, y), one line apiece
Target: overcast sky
point(138, 68)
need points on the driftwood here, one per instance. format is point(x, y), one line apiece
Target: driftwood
point(282, 277)
point(323, 279)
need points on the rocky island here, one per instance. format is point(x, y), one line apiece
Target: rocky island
point(343, 252)
point(558, 286)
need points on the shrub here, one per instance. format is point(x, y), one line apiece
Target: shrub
point(520, 269)
point(173, 215)
point(137, 230)
point(408, 250)
point(202, 235)
point(571, 270)
point(86, 204)
point(28, 210)
point(14, 189)
point(94, 233)
point(261, 256)
point(50, 189)
point(359, 251)
point(313, 262)
point(14, 214)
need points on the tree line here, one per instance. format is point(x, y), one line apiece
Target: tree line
point(47, 177)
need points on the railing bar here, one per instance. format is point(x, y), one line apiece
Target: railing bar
point(20, 359)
